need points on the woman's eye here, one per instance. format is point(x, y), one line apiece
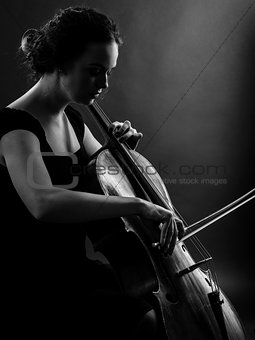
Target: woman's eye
point(97, 71)
point(94, 71)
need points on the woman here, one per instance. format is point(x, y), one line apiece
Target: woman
point(51, 288)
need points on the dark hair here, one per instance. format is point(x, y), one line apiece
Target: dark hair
point(65, 37)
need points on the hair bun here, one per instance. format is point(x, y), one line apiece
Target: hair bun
point(27, 39)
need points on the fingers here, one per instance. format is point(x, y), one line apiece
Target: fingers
point(164, 230)
point(168, 235)
point(119, 128)
point(131, 133)
point(171, 229)
point(172, 238)
point(124, 131)
point(180, 228)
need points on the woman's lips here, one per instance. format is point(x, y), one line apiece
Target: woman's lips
point(94, 95)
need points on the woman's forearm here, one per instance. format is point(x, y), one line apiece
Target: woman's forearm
point(66, 206)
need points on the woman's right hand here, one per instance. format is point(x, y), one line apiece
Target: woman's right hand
point(171, 227)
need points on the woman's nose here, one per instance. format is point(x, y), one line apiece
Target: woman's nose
point(103, 81)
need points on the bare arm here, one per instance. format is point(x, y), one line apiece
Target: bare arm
point(21, 150)
point(48, 203)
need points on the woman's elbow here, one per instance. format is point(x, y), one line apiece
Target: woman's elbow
point(45, 208)
point(38, 207)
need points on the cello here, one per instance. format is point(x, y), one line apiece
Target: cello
point(190, 302)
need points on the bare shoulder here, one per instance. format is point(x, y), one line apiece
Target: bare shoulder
point(18, 130)
point(18, 143)
point(21, 152)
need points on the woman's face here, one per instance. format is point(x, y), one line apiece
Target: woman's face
point(89, 74)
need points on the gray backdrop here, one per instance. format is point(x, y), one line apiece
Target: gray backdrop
point(185, 78)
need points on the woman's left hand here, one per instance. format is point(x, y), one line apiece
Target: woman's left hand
point(124, 132)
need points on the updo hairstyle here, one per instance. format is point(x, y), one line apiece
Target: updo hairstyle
point(60, 41)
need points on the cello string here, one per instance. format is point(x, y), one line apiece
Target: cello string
point(105, 117)
point(160, 195)
point(197, 244)
point(210, 265)
point(204, 254)
point(133, 159)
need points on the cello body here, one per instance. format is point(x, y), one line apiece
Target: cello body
point(190, 308)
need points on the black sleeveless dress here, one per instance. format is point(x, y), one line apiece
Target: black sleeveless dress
point(50, 287)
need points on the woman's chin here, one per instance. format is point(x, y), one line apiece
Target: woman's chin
point(85, 101)
point(91, 101)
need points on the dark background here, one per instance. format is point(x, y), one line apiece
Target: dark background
point(185, 79)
